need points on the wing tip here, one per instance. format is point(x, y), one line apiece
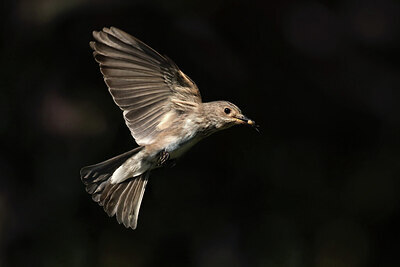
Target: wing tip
point(92, 45)
point(127, 225)
point(95, 34)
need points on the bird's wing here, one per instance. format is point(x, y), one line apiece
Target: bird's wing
point(149, 88)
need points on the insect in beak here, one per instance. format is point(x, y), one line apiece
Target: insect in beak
point(244, 120)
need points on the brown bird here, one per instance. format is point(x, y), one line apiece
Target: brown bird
point(162, 108)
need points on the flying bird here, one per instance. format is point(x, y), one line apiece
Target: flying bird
point(162, 108)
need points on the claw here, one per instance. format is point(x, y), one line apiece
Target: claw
point(164, 157)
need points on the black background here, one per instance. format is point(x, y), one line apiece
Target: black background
point(318, 187)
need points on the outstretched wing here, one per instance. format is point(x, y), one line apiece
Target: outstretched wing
point(149, 88)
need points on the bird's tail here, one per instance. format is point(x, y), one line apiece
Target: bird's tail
point(120, 199)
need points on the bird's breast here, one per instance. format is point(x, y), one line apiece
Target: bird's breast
point(182, 147)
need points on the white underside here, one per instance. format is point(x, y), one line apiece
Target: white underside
point(142, 161)
point(132, 167)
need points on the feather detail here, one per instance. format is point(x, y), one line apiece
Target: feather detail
point(143, 83)
point(121, 199)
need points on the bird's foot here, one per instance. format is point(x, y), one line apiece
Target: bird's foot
point(163, 158)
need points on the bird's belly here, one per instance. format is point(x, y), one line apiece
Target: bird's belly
point(180, 146)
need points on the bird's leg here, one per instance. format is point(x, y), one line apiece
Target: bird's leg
point(163, 157)
point(165, 160)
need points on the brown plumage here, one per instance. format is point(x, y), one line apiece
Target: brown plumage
point(162, 108)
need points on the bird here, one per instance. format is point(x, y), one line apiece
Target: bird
point(163, 109)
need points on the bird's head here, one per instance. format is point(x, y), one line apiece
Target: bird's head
point(224, 114)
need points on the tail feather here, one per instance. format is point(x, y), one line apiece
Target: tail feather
point(121, 199)
point(102, 171)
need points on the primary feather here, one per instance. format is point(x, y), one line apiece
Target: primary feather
point(144, 84)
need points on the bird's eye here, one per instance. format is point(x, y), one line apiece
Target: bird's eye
point(227, 110)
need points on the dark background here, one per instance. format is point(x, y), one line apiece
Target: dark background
point(318, 187)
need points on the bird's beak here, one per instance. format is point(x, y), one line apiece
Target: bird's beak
point(244, 120)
